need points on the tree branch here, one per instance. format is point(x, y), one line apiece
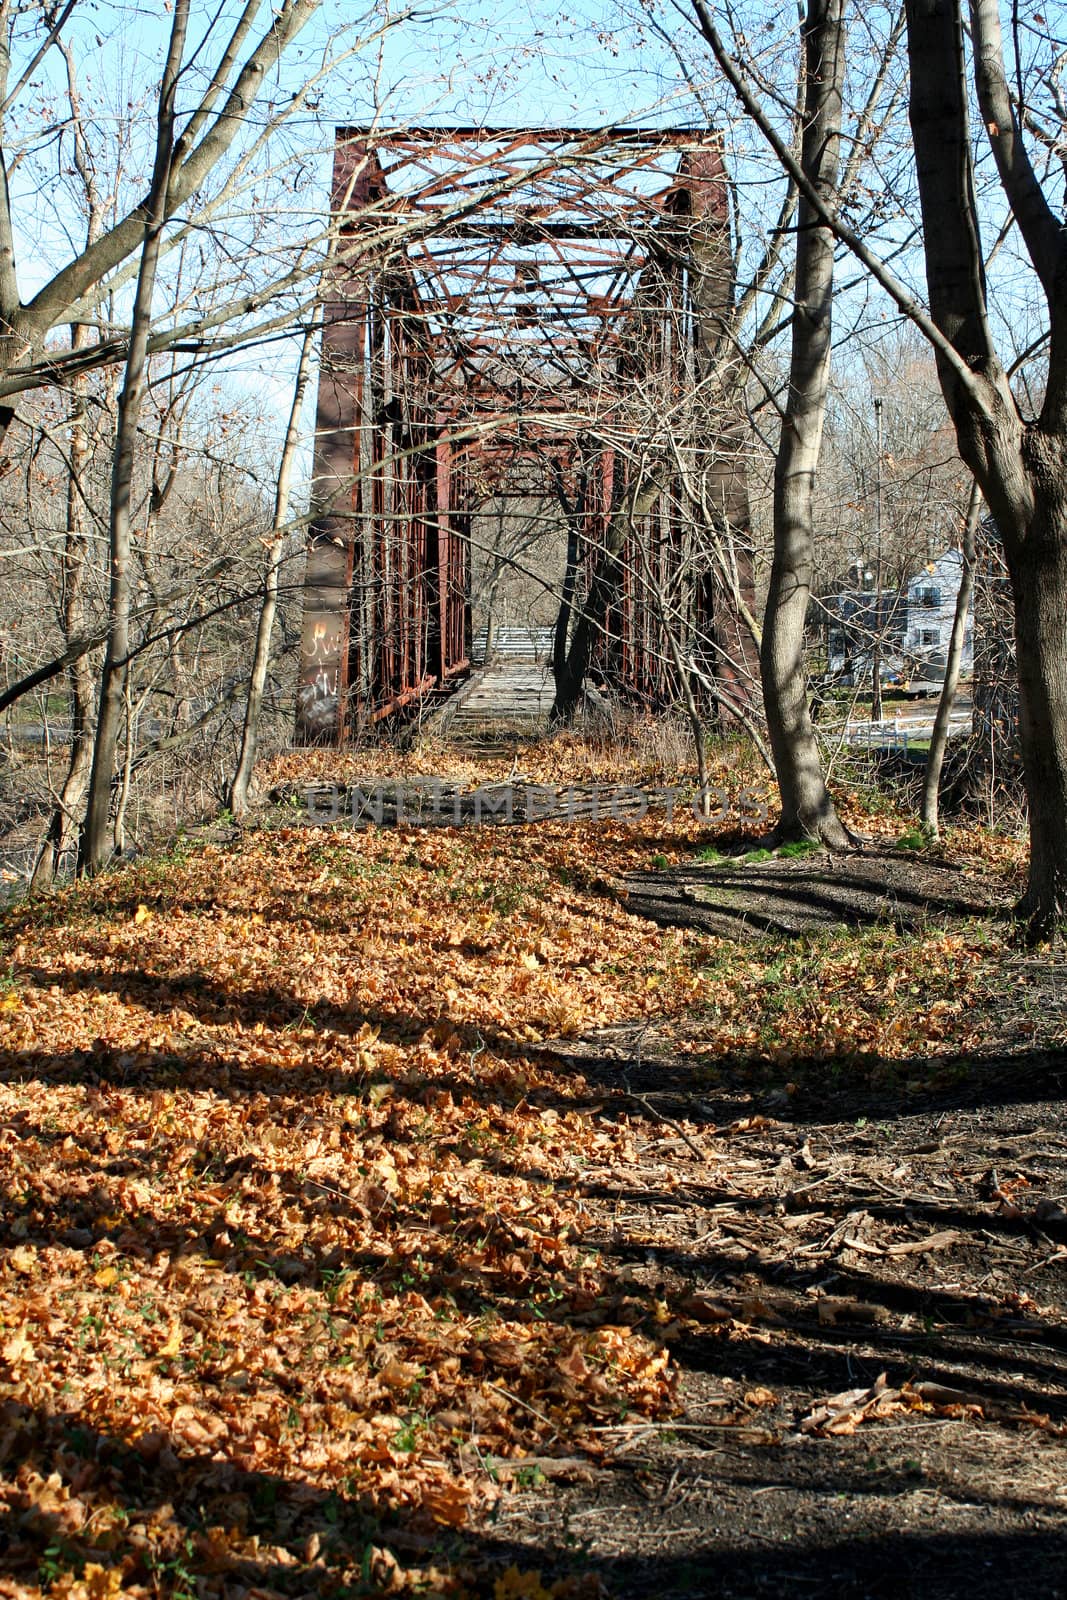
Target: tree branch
point(50, 303)
point(828, 215)
point(1039, 226)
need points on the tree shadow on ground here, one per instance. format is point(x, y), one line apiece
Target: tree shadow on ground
point(1017, 1359)
point(868, 1566)
point(810, 1086)
point(183, 1521)
point(297, 1232)
point(152, 1511)
point(732, 1555)
point(631, 1057)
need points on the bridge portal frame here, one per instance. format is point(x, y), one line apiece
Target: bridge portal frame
point(411, 418)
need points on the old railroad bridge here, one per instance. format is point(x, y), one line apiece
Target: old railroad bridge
point(528, 323)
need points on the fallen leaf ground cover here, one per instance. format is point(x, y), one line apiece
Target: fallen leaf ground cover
point(302, 1265)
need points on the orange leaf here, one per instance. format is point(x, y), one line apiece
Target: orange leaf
point(174, 1342)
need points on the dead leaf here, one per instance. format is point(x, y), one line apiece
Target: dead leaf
point(760, 1397)
point(843, 1413)
point(173, 1343)
point(957, 1402)
point(448, 1503)
point(830, 1311)
point(754, 1308)
point(398, 1374)
point(702, 1310)
point(17, 1349)
point(515, 1584)
point(101, 1582)
point(574, 1364)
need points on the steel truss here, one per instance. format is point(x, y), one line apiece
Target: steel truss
point(512, 308)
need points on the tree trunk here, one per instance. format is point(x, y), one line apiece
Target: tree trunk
point(574, 515)
point(606, 584)
point(1019, 465)
point(97, 843)
point(571, 671)
point(807, 809)
point(731, 654)
point(928, 811)
point(1038, 569)
point(237, 798)
point(563, 615)
point(876, 665)
point(122, 801)
point(1026, 489)
point(63, 826)
point(684, 673)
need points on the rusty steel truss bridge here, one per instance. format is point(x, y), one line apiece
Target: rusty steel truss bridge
point(540, 316)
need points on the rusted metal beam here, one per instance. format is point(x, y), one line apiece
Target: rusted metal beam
point(618, 134)
point(501, 316)
point(322, 693)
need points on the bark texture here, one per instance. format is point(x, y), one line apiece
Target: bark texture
point(237, 798)
point(1019, 463)
point(807, 809)
point(97, 841)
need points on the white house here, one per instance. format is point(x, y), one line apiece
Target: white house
point(931, 610)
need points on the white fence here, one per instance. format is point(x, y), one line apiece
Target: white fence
point(893, 733)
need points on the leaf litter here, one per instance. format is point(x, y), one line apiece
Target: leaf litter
point(311, 1240)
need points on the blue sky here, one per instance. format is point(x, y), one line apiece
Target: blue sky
point(521, 61)
point(514, 62)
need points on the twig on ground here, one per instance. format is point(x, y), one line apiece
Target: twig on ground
point(669, 1122)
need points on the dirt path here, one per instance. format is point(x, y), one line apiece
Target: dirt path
point(392, 1211)
point(801, 1264)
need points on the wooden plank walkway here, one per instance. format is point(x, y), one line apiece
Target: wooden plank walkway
point(506, 697)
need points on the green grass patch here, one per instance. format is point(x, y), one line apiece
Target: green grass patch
point(798, 847)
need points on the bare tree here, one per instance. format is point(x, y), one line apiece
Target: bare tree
point(96, 847)
point(208, 135)
point(807, 809)
point(237, 794)
point(62, 829)
point(1018, 461)
point(819, 182)
point(1015, 448)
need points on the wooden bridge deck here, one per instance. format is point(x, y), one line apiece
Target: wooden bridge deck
point(506, 696)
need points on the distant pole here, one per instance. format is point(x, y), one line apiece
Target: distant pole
point(876, 652)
